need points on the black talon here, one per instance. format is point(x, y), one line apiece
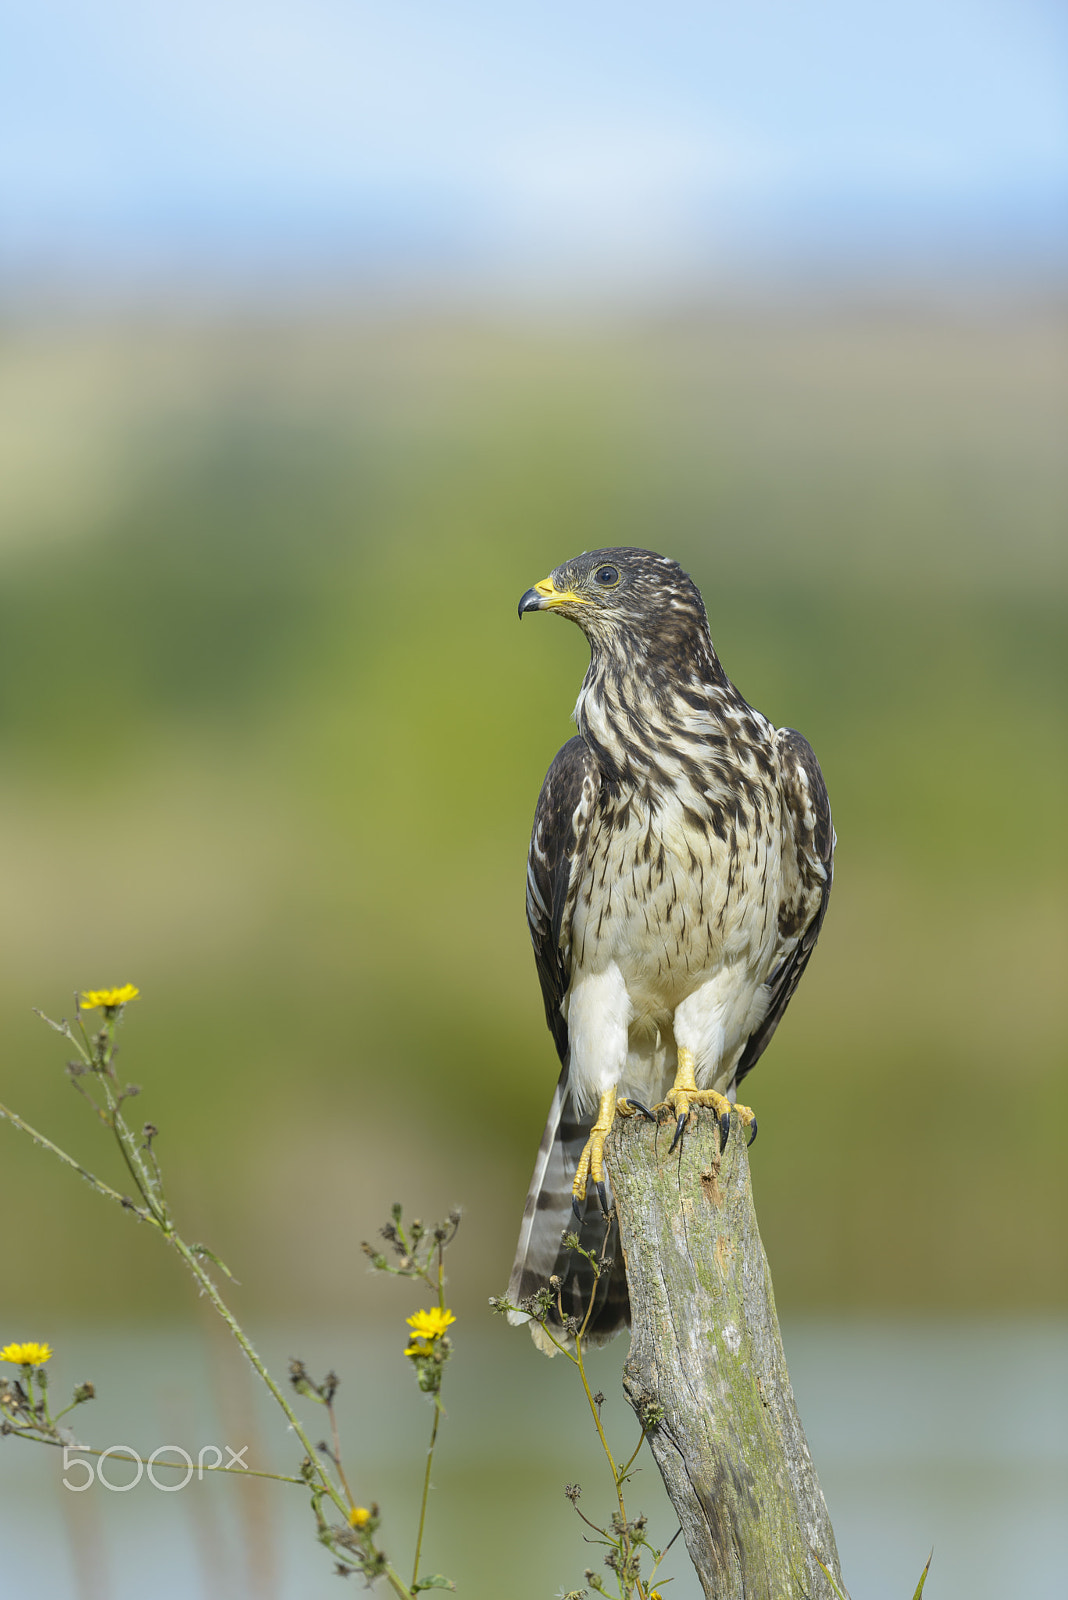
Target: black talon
point(752, 1136)
point(637, 1106)
point(724, 1129)
point(575, 1208)
point(603, 1198)
point(679, 1126)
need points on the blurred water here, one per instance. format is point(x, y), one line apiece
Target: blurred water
point(945, 1433)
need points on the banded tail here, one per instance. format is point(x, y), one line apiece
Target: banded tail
point(547, 1216)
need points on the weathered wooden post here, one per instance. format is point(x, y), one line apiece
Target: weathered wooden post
point(707, 1358)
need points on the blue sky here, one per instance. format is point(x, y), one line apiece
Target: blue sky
point(579, 147)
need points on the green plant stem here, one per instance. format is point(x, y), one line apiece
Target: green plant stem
point(655, 1568)
point(127, 1149)
point(617, 1473)
point(426, 1491)
point(204, 1280)
point(117, 1123)
point(335, 1435)
point(600, 1430)
point(440, 1287)
point(633, 1458)
point(46, 1144)
point(177, 1243)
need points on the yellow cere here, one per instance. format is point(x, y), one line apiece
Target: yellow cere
point(29, 1354)
point(108, 998)
point(557, 597)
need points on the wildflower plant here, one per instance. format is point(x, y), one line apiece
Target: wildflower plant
point(623, 1537)
point(419, 1252)
point(347, 1528)
point(24, 1404)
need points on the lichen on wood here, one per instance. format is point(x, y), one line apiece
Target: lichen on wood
point(706, 1362)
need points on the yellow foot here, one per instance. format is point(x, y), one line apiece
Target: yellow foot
point(684, 1095)
point(590, 1167)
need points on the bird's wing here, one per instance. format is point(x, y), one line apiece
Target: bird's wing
point(808, 865)
point(554, 867)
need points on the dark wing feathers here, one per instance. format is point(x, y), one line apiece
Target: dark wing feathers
point(554, 868)
point(807, 816)
point(554, 864)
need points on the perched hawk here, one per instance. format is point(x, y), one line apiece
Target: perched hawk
point(678, 875)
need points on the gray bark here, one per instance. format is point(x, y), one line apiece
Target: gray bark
point(705, 1348)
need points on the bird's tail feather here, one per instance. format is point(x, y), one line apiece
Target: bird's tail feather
point(547, 1217)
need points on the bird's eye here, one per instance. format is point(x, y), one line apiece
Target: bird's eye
point(606, 576)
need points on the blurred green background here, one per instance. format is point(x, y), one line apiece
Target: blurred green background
point(272, 737)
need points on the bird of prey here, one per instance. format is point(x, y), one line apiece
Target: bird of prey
point(678, 876)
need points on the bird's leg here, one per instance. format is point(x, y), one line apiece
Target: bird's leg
point(684, 1095)
point(591, 1161)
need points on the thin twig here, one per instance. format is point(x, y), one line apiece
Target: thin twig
point(46, 1144)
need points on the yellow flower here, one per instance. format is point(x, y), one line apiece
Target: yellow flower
point(427, 1327)
point(27, 1355)
point(359, 1517)
point(108, 998)
point(429, 1324)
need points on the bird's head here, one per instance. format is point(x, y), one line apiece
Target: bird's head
point(623, 600)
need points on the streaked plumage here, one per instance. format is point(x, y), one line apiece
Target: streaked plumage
point(677, 879)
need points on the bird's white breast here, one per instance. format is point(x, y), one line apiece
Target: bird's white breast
point(679, 914)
